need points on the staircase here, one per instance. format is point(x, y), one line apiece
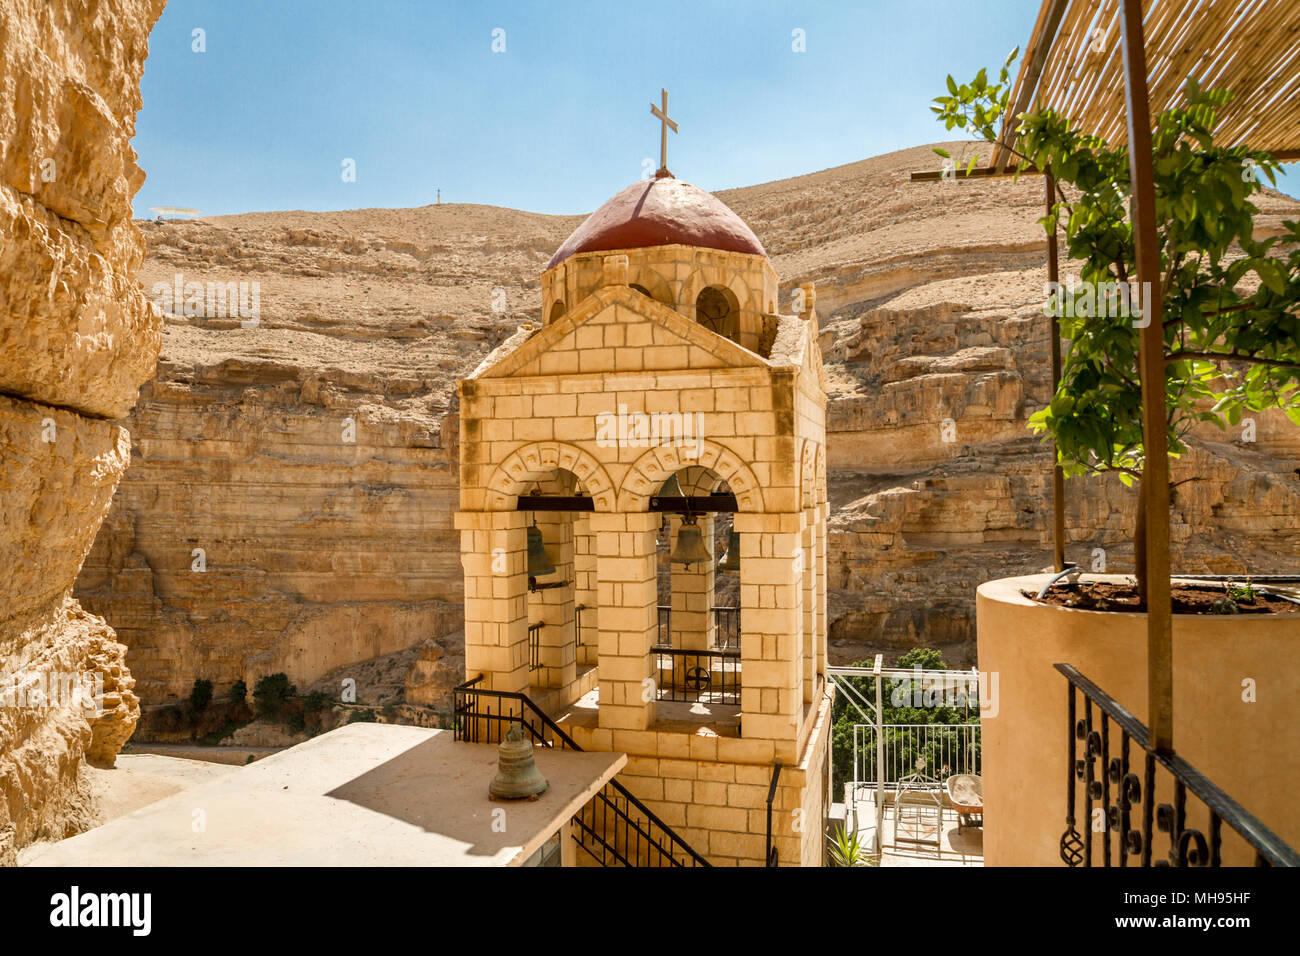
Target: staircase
point(614, 828)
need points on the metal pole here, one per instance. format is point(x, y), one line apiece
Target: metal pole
point(1155, 474)
point(1058, 474)
point(880, 765)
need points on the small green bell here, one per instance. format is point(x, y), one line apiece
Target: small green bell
point(539, 564)
point(517, 774)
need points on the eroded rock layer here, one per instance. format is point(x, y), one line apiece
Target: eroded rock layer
point(929, 296)
point(77, 337)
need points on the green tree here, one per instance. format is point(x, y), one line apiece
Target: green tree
point(1230, 324)
point(904, 701)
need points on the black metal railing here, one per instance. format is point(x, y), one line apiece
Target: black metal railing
point(726, 628)
point(534, 646)
point(578, 639)
point(1128, 802)
point(614, 828)
point(696, 675)
point(771, 857)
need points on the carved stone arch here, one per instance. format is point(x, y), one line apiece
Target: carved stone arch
point(652, 469)
point(647, 281)
point(535, 462)
point(702, 277)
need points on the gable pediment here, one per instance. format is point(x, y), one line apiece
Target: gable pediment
point(617, 329)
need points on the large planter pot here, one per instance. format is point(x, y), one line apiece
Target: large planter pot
point(1249, 749)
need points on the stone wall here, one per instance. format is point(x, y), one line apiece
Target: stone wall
point(77, 338)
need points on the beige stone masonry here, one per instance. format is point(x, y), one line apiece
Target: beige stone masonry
point(619, 391)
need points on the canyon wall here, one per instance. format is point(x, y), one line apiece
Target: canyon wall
point(322, 553)
point(294, 473)
point(937, 354)
point(77, 338)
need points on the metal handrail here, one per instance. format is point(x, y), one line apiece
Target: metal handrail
point(1188, 845)
point(771, 855)
point(469, 687)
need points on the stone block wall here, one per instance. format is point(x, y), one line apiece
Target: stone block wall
point(673, 275)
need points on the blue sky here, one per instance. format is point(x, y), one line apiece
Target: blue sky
point(414, 94)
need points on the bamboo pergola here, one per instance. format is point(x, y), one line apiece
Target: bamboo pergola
point(1073, 64)
point(1110, 66)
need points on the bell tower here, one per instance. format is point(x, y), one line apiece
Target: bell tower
point(662, 410)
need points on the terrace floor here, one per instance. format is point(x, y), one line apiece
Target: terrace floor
point(955, 847)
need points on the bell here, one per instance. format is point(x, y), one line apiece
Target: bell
point(731, 560)
point(690, 544)
point(538, 562)
point(517, 775)
point(671, 488)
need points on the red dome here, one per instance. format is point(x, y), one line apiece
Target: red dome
point(660, 212)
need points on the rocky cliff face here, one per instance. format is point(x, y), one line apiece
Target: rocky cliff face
point(323, 552)
point(77, 337)
point(937, 350)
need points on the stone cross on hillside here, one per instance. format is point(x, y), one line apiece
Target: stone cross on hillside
point(665, 125)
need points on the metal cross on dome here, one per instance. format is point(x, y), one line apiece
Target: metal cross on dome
point(665, 124)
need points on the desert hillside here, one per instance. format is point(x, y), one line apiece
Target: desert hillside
point(318, 551)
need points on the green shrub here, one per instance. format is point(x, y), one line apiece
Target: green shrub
point(200, 695)
point(316, 701)
point(846, 848)
point(238, 692)
point(270, 694)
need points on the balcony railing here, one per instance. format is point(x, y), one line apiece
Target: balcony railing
point(534, 646)
point(726, 627)
point(1108, 770)
point(697, 675)
point(579, 622)
point(946, 749)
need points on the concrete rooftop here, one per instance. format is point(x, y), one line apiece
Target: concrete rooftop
point(362, 795)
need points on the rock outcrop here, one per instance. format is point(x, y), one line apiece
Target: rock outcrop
point(77, 338)
point(937, 354)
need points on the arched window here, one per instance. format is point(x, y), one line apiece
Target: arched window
point(557, 311)
point(716, 309)
point(642, 289)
